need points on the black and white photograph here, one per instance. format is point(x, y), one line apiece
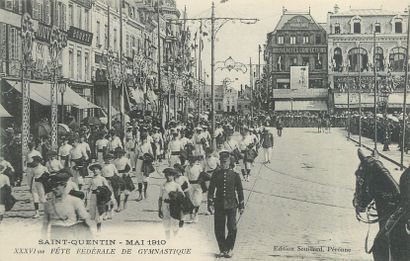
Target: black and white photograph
point(204, 130)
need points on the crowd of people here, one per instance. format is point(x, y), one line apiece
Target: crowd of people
point(94, 170)
point(389, 128)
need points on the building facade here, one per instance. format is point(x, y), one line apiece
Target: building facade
point(296, 59)
point(359, 42)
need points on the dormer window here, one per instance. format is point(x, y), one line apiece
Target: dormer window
point(337, 28)
point(356, 27)
point(398, 27)
point(377, 28)
point(397, 24)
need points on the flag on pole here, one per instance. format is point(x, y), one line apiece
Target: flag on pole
point(224, 1)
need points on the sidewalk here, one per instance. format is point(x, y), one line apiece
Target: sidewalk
point(393, 155)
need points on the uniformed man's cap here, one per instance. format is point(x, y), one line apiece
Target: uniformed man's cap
point(224, 155)
point(60, 178)
point(199, 128)
point(204, 126)
point(170, 172)
point(156, 128)
point(95, 166)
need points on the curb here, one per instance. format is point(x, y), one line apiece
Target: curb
point(380, 153)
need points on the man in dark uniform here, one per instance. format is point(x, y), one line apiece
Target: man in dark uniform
point(225, 201)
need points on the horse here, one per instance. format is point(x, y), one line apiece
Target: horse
point(378, 195)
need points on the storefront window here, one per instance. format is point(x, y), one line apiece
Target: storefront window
point(397, 59)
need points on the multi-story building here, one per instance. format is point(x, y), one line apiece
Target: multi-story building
point(244, 100)
point(46, 14)
point(296, 59)
point(77, 56)
point(230, 100)
point(359, 41)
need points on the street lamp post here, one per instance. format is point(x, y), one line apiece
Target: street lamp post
point(27, 35)
point(109, 57)
point(57, 43)
point(62, 87)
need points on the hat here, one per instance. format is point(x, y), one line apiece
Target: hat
point(37, 158)
point(109, 156)
point(204, 126)
point(119, 150)
point(179, 168)
point(95, 166)
point(59, 178)
point(224, 155)
point(156, 128)
point(193, 158)
point(170, 172)
point(198, 128)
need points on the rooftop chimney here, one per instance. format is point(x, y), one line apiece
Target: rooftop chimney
point(336, 9)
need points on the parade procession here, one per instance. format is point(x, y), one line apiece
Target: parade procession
point(204, 130)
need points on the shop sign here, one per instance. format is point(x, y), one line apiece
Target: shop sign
point(80, 36)
point(291, 50)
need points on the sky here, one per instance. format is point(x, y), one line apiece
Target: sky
point(240, 41)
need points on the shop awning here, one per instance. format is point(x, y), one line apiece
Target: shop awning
point(300, 106)
point(40, 92)
point(367, 100)
point(4, 113)
point(396, 100)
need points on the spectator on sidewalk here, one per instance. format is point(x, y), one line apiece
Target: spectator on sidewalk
point(267, 145)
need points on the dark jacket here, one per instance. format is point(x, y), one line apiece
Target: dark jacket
point(229, 190)
point(6, 198)
point(267, 140)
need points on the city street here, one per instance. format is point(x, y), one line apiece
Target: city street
point(295, 205)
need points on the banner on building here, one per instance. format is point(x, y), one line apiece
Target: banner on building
point(299, 77)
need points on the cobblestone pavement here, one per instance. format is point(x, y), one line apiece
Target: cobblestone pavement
point(300, 203)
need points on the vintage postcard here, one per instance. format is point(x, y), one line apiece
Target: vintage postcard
point(204, 130)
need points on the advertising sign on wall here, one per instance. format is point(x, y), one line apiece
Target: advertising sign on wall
point(299, 77)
